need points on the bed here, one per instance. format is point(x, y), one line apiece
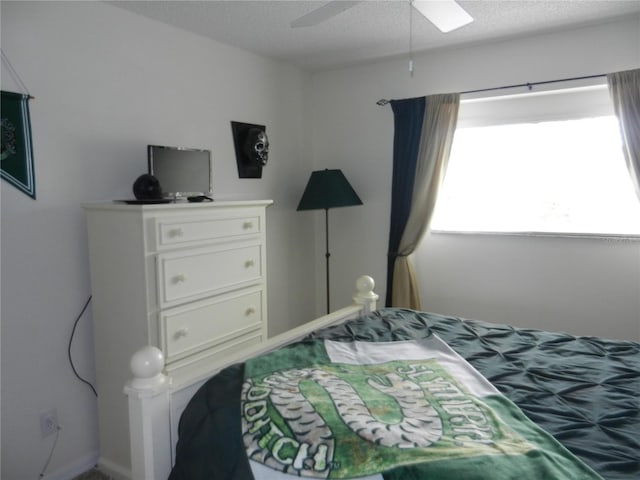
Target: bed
point(395, 394)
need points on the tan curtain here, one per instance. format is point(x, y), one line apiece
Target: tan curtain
point(624, 88)
point(440, 118)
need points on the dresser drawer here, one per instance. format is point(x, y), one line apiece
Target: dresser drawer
point(173, 232)
point(201, 364)
point(187, 330)
point(184, 276)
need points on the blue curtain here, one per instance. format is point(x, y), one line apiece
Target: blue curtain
point(408, 117)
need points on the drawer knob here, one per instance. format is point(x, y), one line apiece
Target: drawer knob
point(247, 225)
point(176, 232)
point(180, 278)
point(249, 263)
point(182, 333)
point(250, 311)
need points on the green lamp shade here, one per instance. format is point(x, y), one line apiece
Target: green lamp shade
point(328, 189)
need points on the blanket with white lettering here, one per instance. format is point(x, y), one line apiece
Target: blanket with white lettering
point(582, 390)
point(388, 410)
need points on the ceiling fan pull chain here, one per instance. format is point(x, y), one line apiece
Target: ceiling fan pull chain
point(411, 38)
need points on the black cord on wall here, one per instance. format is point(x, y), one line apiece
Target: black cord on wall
point(58, 428)
point(75, 324)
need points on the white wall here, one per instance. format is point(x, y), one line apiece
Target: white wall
point(584, 286)
point(587, 287)
point(107, 83)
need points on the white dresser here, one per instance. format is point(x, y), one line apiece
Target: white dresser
point(187, 278)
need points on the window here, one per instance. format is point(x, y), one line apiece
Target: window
point(539, 162)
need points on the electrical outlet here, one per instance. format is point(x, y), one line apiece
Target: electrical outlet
point(49, 422)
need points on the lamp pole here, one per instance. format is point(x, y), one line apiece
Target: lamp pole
point(327, 254)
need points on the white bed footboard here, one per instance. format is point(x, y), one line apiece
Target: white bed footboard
point(157, 401)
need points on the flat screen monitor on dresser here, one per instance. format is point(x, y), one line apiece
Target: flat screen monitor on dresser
point(182, 172)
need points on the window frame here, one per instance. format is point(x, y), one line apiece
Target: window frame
point(602, 108)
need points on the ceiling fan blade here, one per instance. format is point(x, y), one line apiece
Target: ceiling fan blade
point(323, 13)
point(446, 15)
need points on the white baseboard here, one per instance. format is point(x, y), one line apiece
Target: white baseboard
point(74, 469)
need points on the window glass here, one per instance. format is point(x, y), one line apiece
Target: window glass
point(538, 163)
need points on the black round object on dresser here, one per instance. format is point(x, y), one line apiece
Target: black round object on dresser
point(147, 187)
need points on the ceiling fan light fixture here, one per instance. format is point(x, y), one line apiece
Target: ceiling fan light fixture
point(446, 15)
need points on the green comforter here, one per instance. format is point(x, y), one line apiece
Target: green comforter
point(584, 391)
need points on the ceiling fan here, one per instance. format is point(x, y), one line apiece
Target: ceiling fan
point(446, 15)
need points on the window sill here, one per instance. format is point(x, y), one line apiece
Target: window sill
point(590, 236)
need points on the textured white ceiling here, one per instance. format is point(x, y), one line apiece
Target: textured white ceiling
point(371, 29)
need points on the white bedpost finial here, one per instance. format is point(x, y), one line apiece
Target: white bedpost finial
point(146, 365)
point(364, 293)
point(149, 407)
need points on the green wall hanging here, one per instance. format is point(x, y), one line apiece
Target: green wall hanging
point(16, 154)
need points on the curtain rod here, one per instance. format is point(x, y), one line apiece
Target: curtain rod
point(384, 101)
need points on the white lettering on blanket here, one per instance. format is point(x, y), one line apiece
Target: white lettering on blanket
point(293, 418)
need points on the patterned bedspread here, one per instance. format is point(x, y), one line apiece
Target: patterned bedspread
point(584, 391)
